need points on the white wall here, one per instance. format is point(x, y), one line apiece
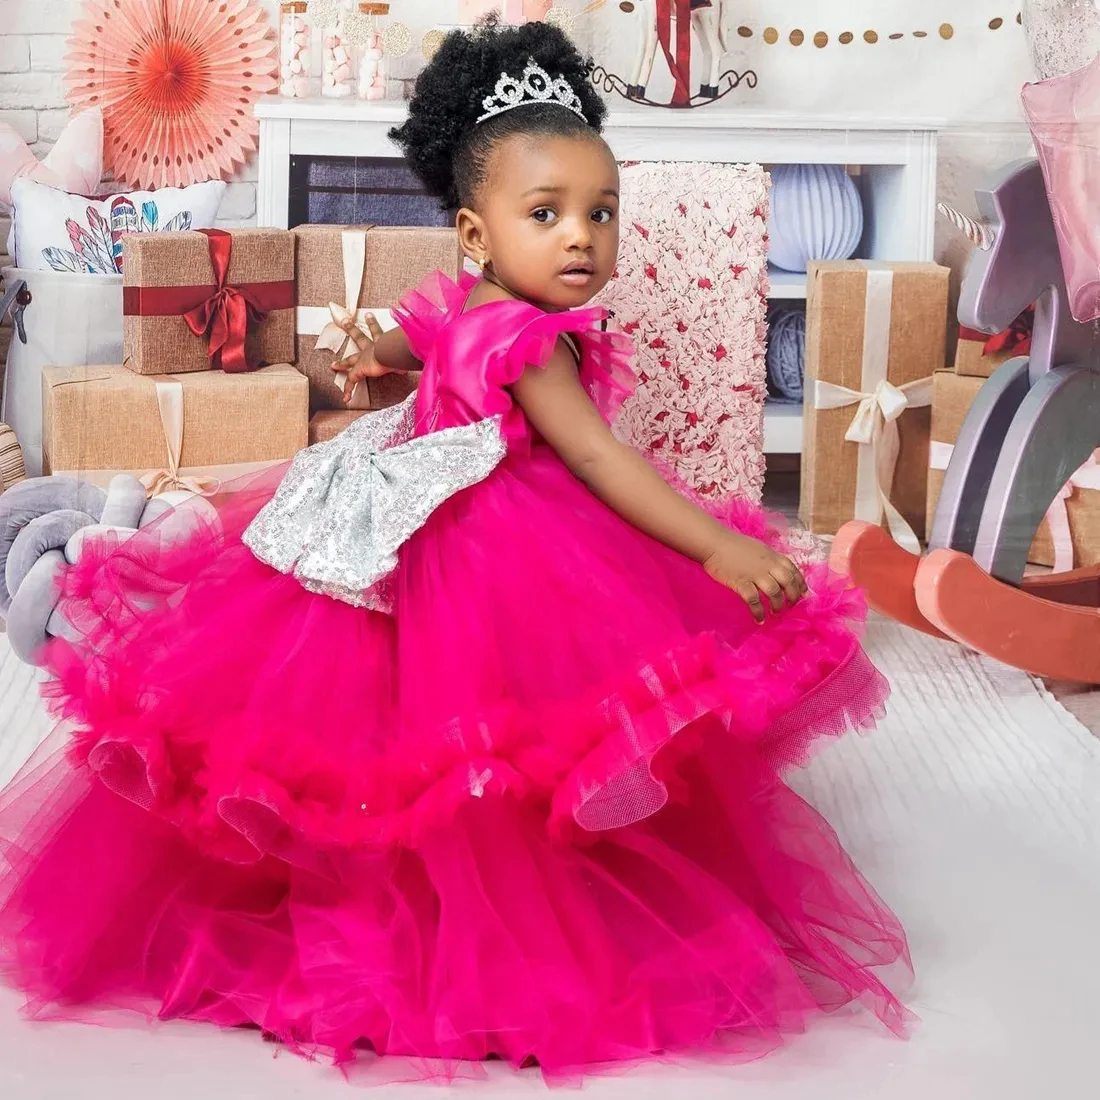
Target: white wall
point(970, 80)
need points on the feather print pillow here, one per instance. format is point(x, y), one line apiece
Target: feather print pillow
point(52, 230)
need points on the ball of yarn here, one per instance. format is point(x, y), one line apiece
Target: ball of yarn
point(787, 353)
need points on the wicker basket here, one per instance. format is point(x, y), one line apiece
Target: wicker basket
point(11, 459)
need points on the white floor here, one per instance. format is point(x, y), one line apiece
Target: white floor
point(975, 810)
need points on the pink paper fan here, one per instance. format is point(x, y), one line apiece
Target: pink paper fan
point(176, 81)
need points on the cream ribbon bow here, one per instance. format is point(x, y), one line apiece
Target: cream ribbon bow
point(170, 404)
point(353, 244)
point(874, 428)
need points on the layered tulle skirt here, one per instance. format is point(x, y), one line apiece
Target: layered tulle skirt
point(536, 813)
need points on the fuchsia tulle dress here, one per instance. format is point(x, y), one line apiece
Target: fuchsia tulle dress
point(425, 751)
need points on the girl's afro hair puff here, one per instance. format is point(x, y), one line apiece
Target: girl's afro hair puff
point(442, 140)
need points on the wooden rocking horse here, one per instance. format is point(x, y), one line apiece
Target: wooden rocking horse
point(660, 18)
point(1032, 425)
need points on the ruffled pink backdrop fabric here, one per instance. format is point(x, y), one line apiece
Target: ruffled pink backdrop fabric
point(536, 814)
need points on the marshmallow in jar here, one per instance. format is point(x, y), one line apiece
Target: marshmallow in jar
point(336, 75)
point(294, 54)
point(372, 56)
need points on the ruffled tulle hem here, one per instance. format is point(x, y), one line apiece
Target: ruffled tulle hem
point(719, 929)
point(595, 763)
point(243, 774)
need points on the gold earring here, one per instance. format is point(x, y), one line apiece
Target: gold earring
point(483, 262)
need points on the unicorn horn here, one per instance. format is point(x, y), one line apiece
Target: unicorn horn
point(974, 231)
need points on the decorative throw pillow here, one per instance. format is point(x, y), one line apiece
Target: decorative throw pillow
point(75, 163)
point(52, 230)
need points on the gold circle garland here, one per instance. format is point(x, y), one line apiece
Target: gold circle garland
point(357, 29)
point(396, 39)
point(430, 43)
point(562, 18)
point(324, 13)
point(772, 35)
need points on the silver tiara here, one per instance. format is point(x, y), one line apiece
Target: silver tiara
point(535, 86)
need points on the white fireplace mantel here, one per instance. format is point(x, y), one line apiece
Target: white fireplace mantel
point(895, 158)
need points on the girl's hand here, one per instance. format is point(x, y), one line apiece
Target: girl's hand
point(756, 573)
point(362, 364)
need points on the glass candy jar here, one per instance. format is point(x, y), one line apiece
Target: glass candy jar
point(336, 61)
point(372, 54)
point(294, 50)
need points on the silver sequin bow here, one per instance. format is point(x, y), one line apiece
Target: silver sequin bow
point(346, 506)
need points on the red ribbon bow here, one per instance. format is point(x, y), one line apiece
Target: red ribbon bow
point(679, 64)
point(224, 318)
point(1015, 340)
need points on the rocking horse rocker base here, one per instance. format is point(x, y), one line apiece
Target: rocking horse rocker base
point(948, 595)
point(1031, 426)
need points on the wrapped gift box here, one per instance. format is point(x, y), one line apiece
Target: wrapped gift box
point(99, 421)
point(1069, 536)
point(875, 333)
point(328, 424)
point(209, 299)
point(366, 270)
point(952, 396)
point(978, 355)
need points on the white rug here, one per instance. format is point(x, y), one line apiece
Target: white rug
point(23, 721)
point(975, 809)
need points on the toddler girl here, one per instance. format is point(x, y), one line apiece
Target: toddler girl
point(462, 736)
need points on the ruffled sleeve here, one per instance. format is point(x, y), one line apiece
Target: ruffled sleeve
point(528, 337)
point(423, 311)
point(472, 356)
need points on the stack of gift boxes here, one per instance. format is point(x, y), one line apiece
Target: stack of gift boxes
point(883, 412)
point(228, 347)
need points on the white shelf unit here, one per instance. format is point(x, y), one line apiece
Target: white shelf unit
point(895, 158)
point(786, 285)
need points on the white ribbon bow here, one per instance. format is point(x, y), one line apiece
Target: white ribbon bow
point(170, 404)
point(874, 428)
point(353, 243)
point(326, 323)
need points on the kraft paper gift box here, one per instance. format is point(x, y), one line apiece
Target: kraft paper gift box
point(1069, 536)
point(194, 301)
point(190, 430)
point(875, 333)
point(979, 355)
point(952, 396)
point(328, 424)
point(364, 269)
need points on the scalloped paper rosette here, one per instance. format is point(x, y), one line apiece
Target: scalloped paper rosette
point(177, 81)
